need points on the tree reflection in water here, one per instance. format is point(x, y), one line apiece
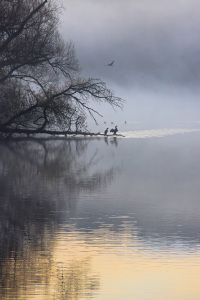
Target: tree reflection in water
point(40, 181)
point(75, 281)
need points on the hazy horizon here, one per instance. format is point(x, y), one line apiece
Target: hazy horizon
point(155, 49)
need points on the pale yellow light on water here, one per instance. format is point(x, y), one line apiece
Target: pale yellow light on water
point(125, 273)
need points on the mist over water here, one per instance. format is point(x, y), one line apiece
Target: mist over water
point(103, 217)
point(155, 50)
point(113, 217)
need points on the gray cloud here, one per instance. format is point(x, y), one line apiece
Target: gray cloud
point(155, 44)
point(147, 39)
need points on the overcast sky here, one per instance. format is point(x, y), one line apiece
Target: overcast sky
point(156, 48)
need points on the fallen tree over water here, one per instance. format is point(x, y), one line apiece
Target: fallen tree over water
point(9, 132)
point(40, 84)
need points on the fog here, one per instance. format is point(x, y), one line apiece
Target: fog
point(156, 52)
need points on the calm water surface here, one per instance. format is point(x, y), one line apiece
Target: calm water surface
point(101, 218)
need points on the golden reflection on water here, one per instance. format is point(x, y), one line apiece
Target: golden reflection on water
point(121, 272)
point(144, 218)
point(103, 265)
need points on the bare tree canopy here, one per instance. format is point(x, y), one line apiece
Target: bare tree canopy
point(41, 90)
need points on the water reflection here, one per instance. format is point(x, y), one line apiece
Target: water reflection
point(40, 184)
point(75, 281)
point(105, 218)
point(157, 189)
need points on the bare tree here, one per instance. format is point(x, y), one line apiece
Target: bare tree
point(40, 87)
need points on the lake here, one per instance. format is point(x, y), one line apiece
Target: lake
point(102, 218)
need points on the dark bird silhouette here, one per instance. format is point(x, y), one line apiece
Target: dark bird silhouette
point(106, 131)
point(111, 64)
point(114, 130)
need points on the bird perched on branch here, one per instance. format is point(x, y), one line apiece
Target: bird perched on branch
point(106, 131)
point(114, 130)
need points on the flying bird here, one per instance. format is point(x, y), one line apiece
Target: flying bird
point(111, 64)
